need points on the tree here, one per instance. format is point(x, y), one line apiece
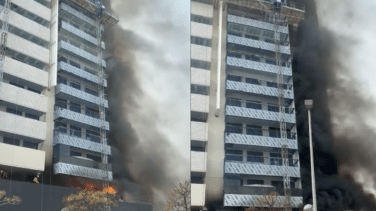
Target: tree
point(180, 199)
point(268, 202)
point(90, 200)
point(14, 200)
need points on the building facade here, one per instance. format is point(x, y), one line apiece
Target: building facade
point(52, 92)
point(236, 156)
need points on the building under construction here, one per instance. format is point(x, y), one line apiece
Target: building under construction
point(52, 91)
point(243, 127)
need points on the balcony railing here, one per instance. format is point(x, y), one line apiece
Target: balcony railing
point(249, 130)
point(259, 66)
point(259, 82)
point(82, 162)
point(77, 108)
point(257, 105)
point(254, 190)
point(274, 161)
point(79, 134)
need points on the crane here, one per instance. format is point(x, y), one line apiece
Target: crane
point(4, 35)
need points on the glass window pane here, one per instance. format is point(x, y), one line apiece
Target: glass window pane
point(11, 141)
point(31, 116)
point(233, 102)
point(30, 145)
point(73, 153)
point(234, 128)
point(75, 107)
point(254, 105)
point(75, 85)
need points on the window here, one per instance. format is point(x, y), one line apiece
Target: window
point(252, 81)
point(234, 78)
point(201, 19)
point(92, 113)
point(252, 58)
point(201, 41)
point(256, 157)
point(273, 108)
point(30, 145)
point(75, 85)
point(11, 141)
point(254, 105)
point(13, 111)
point(277, 184)
point(90, 91)
point(234, 34)
point(270, 61)
point(31, 116)
point(233, 102)
point(93, 136)
point(75, 64)
point(233, 54)
point(200, 64)
point(234, 128)
point(61, 80)
point(234, 155)
point(255, 182)
point(89, 70)
point(197, 180)
point(198, 149)
point(61, 127)
point(254, 130)
point(74, 153)
point(95, 158)
point(274, 132)
point(271, 84)
point(17, 85)
point(276, 159)
point(33, 90)
point(269, 41)
point(75, 131)
point(75, 107)
point(251, 37)
point(61, 103)
point(62, 59)
point(197, 89)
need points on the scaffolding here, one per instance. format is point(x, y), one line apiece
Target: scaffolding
point(4, 35)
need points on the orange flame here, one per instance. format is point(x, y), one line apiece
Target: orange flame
point(110, 190)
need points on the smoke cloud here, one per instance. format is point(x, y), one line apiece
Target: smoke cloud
point(148, 94)
point(342, 137)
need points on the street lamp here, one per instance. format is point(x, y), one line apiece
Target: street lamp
point(309, 106)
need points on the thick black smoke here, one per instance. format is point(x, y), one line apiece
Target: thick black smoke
point(318, 67)
point(141, 154)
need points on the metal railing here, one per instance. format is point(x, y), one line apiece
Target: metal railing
point(77, 109)
point(249, 130)
point(256, 105)
point(78, 134)
point(252, 16)
point(80, 162)
point(265, 83)
point(255, 190)
point(274, 161)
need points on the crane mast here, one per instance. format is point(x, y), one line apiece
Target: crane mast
point(4, 36)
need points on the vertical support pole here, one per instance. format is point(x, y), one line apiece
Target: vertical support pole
point(312, 163)
point(219, 58)
point(53, 43)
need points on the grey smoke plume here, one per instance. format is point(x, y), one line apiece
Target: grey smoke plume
point(141, 151)
point(341, 136)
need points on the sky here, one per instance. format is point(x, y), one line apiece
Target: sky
point(165, 24)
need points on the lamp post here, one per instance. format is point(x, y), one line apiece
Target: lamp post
point(309, 106)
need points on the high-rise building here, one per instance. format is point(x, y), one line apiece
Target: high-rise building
point(52, 110)
point(236, 144)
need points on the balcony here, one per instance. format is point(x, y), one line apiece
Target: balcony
point(28, 74)
point(198, 161)
point(200, 103)
point(235, 112)
point(79, 140)
point(78, 17)
point(21, 157)
point(71, 49)
point(256, 44)
point(256, 23)
point(242, 200)
point(27, 100)
point(201, 30)
point(199, 131)
point(256, 89)
point(80, 73)
point(257, 190)
point(200, 77)
point(81, 120)
point(22, 127)
point(70, 93)
point(199, 52)
point(81, 167)
point(198, 195)
point(259, 169)
point(79, 34)
point(257, 66)
point(34, 7)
